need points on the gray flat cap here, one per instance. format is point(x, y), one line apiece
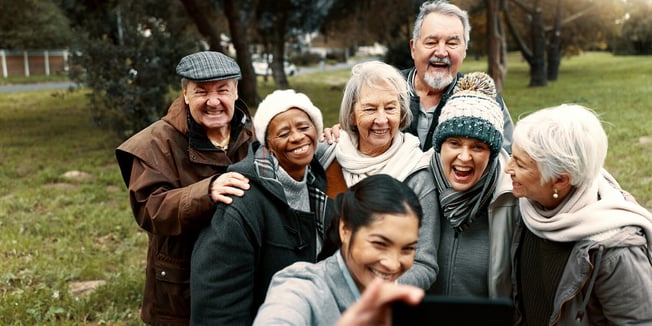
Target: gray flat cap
point(208, 66)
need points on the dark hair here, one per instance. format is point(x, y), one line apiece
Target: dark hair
point(359, 205)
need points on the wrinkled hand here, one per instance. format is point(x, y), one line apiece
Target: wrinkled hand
point(375, 305)
point(228, 184)
point(331, 134)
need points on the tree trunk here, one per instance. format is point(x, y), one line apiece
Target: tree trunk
point(496, 45)
point(538, 65)
point(247, 88)
point(203, 24)
point(554, 48)
point(526, 53)
point(278, 46)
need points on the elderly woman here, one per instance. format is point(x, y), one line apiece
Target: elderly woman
point(583, 256)
point(474, 211)
point(374, 110)
point(280, 220)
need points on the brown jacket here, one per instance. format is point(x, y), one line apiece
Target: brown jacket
point(168, 168)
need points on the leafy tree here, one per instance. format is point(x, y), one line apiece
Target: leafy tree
point(212, 17)
point(33, 24)
point(387, 22)
point(126, 53)
point(382, 21)
point(239, 18)
point(546, 30)
point(637, 27)
point(281, 21)
point(270, 23)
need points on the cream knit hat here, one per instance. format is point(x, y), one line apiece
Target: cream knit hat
point(280, 101)
point(472, 112)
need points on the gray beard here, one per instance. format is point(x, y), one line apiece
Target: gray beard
point(438, 81)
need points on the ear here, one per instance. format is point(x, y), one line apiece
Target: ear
point(184, 91)
point(345, 233)
point(235, 86)
point(412, 48)
point(563, 182)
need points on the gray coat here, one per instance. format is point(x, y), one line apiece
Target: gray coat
point(308, 294)
point(622, 291)
point(491, 235)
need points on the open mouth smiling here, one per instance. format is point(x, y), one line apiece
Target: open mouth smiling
point(301, 150)
point(384, 276)
point(462, 171)
point(380, 132)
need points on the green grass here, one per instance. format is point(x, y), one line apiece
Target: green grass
point(619, 88)
point(57, 231)
point(33, 79)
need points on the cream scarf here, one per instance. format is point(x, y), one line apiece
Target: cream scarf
point(398, 160)
point(583, 215)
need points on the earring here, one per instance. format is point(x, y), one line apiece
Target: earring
point(555, 195)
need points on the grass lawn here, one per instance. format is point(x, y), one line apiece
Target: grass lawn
point(33, 79)
point(64, 210)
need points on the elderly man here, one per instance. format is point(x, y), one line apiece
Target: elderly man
point(438, 47)
point(175, 170)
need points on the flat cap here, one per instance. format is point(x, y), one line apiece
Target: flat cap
point(208, 66)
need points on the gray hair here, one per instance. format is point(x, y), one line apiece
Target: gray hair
point(443, 8)
point(564, 139)
point(373, 74)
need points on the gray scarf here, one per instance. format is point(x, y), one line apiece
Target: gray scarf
point(461, 208)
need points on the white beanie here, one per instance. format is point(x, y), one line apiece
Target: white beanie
point(280, 101)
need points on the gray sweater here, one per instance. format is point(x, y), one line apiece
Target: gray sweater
point(476, 262)
point(308, 294)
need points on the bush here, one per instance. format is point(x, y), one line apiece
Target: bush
point(129, 68)
point(306, 59)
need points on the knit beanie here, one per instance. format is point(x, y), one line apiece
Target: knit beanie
point(472, 112)
point(280, 101)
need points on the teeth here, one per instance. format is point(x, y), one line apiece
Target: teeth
point(380, 132)
point(387, 277)
point(301, 149)
point(463, 169)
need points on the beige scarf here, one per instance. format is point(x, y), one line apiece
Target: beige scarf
point(398, 160)
point(583, 215)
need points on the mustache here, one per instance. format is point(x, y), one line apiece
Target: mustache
point(436, 60)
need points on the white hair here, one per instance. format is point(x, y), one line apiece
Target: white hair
point(374, 74)
point(564, 139)
point(443, 8)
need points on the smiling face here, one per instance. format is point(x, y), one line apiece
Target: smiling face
point(464, 161)
point(291, 138)
point(211, 103)
point(526, 179)
point(439, 51)
point(384, 249)
point(377, 116)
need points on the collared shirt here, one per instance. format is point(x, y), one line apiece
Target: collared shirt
point(347, 275)
point(424, 122)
